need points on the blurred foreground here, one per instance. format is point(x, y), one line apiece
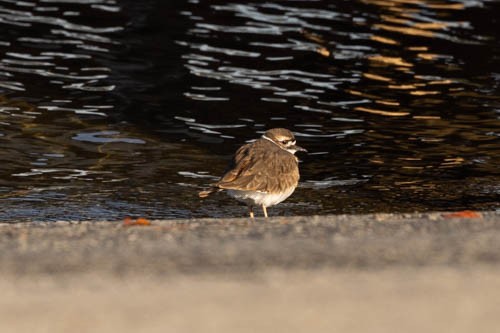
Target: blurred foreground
point(379, 273)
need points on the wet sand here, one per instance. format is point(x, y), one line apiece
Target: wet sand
point(376, 273)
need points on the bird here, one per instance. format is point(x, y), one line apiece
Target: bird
point(262, 173)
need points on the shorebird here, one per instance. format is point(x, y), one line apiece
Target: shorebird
point(262, 173)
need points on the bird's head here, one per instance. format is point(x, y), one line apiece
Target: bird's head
point(284, 139)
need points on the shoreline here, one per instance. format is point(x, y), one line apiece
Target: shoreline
point(197, 246)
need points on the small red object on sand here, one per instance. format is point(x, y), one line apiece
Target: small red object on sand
point(464, 214)
point(140, 221)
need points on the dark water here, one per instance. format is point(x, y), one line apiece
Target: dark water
point(113, 108)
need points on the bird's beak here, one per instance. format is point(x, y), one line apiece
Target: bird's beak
point(298, 148)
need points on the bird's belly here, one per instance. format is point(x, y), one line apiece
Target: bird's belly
point(256, 198)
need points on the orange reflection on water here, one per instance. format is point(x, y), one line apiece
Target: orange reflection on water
point(393, 4)
point(407, 2)
point(402, 86)
point(409, 167)
point(440, 82)
point(384, 40)
point(380, 3)
point(359, 93)
point(454, 6)
point(376, 161)
point(382, 112)
point(393, 19)
point(385, 102)
point(396, 61)
point(405, 30)
point(417, 48)
point(430, 25)
point(313, 37)
point(427, 56)
point(323, 51)
point(451, 162)
point(424, 92)
point(376, 77)
point(427, 117)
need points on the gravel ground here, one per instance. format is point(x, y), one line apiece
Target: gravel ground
point(379, 273)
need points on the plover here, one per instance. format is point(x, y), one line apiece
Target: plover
point(262, 173)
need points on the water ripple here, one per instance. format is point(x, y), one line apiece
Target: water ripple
point(24, 18)
point(105, 137)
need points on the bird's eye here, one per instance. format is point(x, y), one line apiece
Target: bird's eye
point(285, 142)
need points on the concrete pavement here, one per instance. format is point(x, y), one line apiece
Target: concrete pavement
point(428, 272)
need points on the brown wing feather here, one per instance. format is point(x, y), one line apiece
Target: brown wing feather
point(240, 162)
point(261, 166)
point(235, 168)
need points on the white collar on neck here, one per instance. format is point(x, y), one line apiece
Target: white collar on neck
point(291, 151)
point(265, 137)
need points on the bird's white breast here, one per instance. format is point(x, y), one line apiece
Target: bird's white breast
point(257, 198)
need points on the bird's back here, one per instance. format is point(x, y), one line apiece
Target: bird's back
point(261, 166)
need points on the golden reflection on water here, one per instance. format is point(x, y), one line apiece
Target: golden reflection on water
point(424, 92)
point(405, 30)
point(439, 82)
point(400, 22)
point(451, 6)
point(427, 56)
point(384, 40)
point(377, 77)
point(386, 102)
point(404, 71)
point(402, 86)
point(395, 61)
point(427, 117)
point(362, 94)
point(417, 48)
point(323, 51)
point(382, 112)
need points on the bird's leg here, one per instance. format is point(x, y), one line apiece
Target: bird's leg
point(250, 210)
point(264, 209)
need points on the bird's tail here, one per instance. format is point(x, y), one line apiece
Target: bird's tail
point(206, 193)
